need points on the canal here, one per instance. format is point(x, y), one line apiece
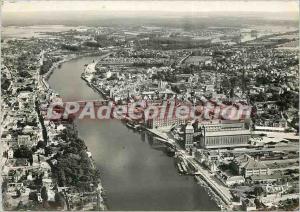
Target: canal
point(136, 174)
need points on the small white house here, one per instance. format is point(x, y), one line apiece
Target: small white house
point(232, 180)
point(10, 153)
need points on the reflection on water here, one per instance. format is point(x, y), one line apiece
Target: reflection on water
point(136, 172)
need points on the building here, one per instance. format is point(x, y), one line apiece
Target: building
point(208, 158)
point(47, 182)
point(205, 155)
point(157, 122)
point(189, 136)
point(24, 140)
point(265, 179)
point(225, 139)
point(166, 93)
point(162, 85)
point(270, 129)
point(10, 153)
point(166, 117)
point(248, 166)
point(234, 180)
point(224, 135)
point(229, 179)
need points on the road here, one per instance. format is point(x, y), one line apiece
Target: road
point(222, 190)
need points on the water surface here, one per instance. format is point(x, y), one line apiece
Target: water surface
point(136, 174)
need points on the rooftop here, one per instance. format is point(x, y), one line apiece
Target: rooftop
point(264, 177)
point(228, 133)
point(254, 164)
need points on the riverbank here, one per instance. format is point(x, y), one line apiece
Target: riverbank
point(87, 76)
point(215, 194)
point(95, 88)
point(81, 189)
point(222, 205)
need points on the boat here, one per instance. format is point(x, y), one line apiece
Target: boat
point(184, 167)
point(179, 168)
point(82, 76)
point(133, 126)
point(170, 151)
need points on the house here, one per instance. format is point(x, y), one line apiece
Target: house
point(47, 182)
point(212, 166)
point(29, 177)
point(229, 179)
point(39, 197)
point(16, 162)
point(233, 180)
point(53, 161)
point(12, 187)
point(24, 140)
point(14, 175)
point(10, 153)
point(248, 166)
point(45, 166)
point(211, 155)
point(267, 178)
point(60, 127)
point(51, 195)
point(6, 139)
point(28, 129)
point(24, 97)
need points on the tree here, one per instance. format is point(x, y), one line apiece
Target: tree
point(258, 191)
point(20, 206)
point(62, 177)
point(175, 89)
point(4, 186)
point(24, 74)
point(41, 144)
point(44, 194)
point(257, 203)
point(59, 199)
point(191, 151)
point(288, 100)
point(33, 196)
point(23, 152)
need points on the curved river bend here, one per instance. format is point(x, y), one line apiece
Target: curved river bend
point(136, 175)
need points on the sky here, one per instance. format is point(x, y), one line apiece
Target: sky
point(160, 6)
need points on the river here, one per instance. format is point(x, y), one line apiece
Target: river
point(135, 174)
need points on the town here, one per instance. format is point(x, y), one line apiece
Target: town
point(246, 163)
